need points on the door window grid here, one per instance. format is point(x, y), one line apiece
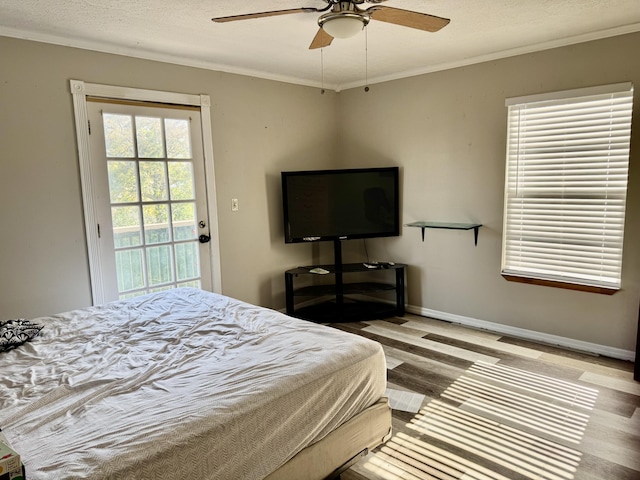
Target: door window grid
point(155, 227)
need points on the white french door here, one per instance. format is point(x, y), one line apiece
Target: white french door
point(145, 202)
point(148, 174)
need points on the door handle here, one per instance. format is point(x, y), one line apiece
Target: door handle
point(204, 238)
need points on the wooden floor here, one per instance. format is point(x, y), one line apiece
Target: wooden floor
point(498, 408)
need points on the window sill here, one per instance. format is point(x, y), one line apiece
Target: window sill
point(558, 284)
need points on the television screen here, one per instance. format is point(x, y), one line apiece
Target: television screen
point(340, 204)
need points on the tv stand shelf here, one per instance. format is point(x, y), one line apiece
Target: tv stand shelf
point(348, 289)
point(342, 308)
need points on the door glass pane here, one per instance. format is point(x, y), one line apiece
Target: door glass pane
point(159, 265)
point(155, 187)
point(153, 181)
point(149, 136)
point(185, 226)
point(156, 223)
point(123, 181)
point(129, 268)
point(178, 138)
point(127, 231)
point(187, 261)
point(118, 135)
point(181, 181)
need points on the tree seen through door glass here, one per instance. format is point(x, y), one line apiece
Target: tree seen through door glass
point(149, 137)
point(181, 181)
point(156, 223)
point(118, 135)
point(178, 138)
point(123, 181)
point(183, 216)
point(127, 229)
point(153, 181)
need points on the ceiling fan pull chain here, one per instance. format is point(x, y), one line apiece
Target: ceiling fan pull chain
point(366, 60)
point(322, 70)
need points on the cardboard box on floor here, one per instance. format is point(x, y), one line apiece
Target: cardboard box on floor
point(10, 466)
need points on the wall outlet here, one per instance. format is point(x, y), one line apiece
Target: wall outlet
point(234, 204)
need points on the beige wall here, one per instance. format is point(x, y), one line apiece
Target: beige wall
point(259, 128)
point(447, 132)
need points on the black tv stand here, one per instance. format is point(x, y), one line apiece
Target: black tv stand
point(343, 307)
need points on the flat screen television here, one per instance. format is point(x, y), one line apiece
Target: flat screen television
point(340, 204)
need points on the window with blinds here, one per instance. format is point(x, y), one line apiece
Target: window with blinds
point(566, 186)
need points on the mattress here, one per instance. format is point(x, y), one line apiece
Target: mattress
point(180, 384)
point(344, 446)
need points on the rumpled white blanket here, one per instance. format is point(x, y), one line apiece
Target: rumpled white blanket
point(183, 384)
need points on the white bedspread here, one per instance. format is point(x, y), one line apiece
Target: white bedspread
point(177, 385)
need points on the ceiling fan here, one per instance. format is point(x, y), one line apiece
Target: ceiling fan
point(345, 19)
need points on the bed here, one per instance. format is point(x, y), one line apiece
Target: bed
point(187, 384)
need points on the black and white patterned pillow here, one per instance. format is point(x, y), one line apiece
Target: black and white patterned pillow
point(14, 333)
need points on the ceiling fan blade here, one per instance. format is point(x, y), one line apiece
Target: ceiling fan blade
point(273, 13)
point(322, 39)
point(408, 18)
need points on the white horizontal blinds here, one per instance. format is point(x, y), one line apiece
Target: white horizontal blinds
point(567, 163)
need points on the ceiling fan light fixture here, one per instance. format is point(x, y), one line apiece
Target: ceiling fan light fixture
point(343, 24)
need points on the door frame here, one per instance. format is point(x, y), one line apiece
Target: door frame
point(80, 90)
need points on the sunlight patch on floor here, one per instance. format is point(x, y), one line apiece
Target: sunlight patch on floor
point(528, 455)
point(491, 415)
point(551, 388)
point(557, 421)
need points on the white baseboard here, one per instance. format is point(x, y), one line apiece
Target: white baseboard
point(525, 334)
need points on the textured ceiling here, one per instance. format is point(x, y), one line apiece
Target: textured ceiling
point(277, 47)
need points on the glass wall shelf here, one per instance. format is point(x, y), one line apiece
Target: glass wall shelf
point(448, 226)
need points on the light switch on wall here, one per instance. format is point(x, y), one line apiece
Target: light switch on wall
point(234, 204)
